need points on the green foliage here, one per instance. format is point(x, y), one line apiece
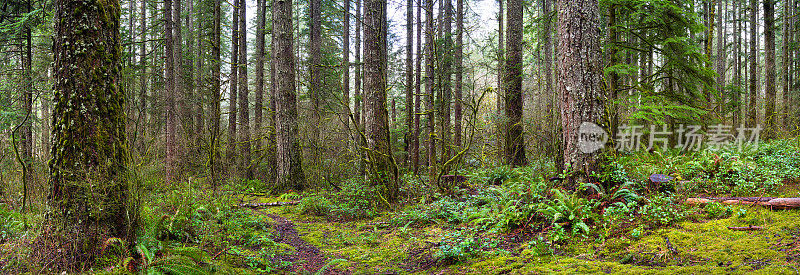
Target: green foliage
point(11, 224)
point(356, 200)
point(716, 210)
point(456, 247)
point(662, 211)
point(569, 211)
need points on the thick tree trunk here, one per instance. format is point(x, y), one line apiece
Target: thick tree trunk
point(515, 141)
point(181, 112)
point(721, 55)
point(613, 77)
point(579, 81)
point(232, 95)
point(770, 116)
point(417, 92)
point(289, 155)
point(382, 167)
point(88, 189)
point(709, 6)
point(244, 99)
point(446, 82)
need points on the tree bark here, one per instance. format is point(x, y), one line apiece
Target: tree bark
point(409, 85)
point(357, 81)
point(579, 81)
point(289, 155)
point(770, 116)
point(515, 141)
point(785, 63)
point(446, 82)
point(216, 80)
point(181, 112)
point(721, 55)
point(500, 75)
point(170, 94)
point(88, 189)
point(429, 79)
point(260, 52)
point(417, 92)
point(752, 118)
point(232, 95)
point(459, 71)
point(244, 101)
point(346, 65)
point(382, 167)
point(314, 72)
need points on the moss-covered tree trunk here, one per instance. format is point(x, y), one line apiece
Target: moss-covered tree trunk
point(382, 167)
point(89, 192)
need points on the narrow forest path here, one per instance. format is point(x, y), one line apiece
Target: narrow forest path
point(307, 257)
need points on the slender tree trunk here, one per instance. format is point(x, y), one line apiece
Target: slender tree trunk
point(315, 74)
point(170, 94)
point(613, 77)
point(429, 79)
point(500, 75)
point(721, 55)
point(357, 80)
point(244, 102)
point(409, 136)
point(752, 119)
point(737, 74)
point(27, 99)
point(289, 155)
point(553, 132)
point(233, 82)
point(459, 70)
point(709, 5)
point(447, 74)
point(417, 92)
point(770, 116)
point(579, 82)
point(785, 63)
point(515, 141)
point(216, 80)
point(142, 104)
point(346, 65)
point(181, 112)
point(260, 52)
point(88, 170)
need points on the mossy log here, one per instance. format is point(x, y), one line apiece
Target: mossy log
point(746, 228)
point(259, 205)
point(774, 203)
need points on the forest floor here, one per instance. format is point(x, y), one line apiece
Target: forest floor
point(691, 247)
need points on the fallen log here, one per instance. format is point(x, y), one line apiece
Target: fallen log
point(746, 228)
point(774, 203)
point(259, 205)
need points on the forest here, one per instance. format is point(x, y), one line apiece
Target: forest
point(399, 137)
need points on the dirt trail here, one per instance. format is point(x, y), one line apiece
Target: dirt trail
point(308, 257)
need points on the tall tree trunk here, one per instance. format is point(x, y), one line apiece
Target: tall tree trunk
point(346, 65)
point(552, 99)
point(289, 155)
point(459, 71)
point(500, 75)
point(721, 56)
point(447, 74)
point(429, 79)
point(233, 81)
point(27, 99)
point(752, 118)
point(613, 77)
point(171, 123)
point(579, 82)
point(181, 112)
point(357, 80)
point(515, 141)
point(785, 63)
point(244, 102)
point(142, 104)
point(709, 5)
point(88, 189)
point(216, 79)
point(417, 92)
point(770, 116)
point(382, 167)
point(737, 74)
point(260, 52)
point(409, 136)
point(315, 74)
